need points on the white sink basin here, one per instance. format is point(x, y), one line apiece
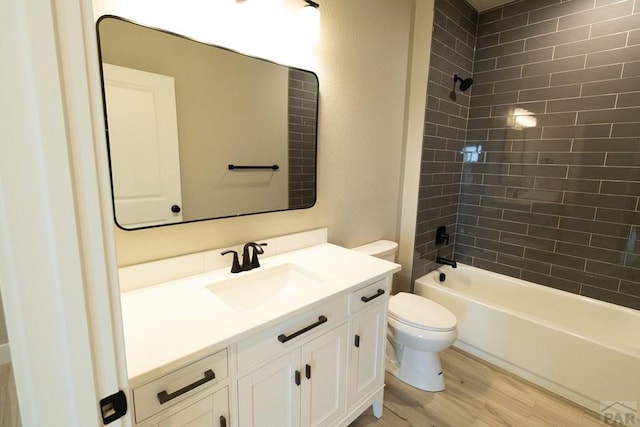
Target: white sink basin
point(264, 285)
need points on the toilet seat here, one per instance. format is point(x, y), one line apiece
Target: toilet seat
point(421, 313)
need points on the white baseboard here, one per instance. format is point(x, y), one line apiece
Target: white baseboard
point(5, 355)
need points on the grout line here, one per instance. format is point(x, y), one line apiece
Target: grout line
point(628, 35)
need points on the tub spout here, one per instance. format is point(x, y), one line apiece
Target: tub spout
point(445, 261)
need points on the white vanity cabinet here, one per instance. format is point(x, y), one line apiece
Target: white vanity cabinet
point(196, 395)
point(210, 411)
point(368, 338)
point(305, 387)
point(309, 352)
point(296, 372)
point(328, 378)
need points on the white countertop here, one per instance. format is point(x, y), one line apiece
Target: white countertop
point(173, 323)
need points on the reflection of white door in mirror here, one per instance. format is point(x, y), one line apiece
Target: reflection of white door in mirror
point(143, 145)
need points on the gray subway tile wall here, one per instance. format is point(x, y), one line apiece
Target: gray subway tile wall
point(445, 130)
point(558, 203)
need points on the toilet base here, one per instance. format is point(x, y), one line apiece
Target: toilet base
point(419, 369)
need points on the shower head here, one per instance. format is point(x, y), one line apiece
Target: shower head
point(464, 84)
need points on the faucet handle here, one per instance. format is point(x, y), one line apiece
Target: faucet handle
point(235, 267)
point(441, 235)
point(257, 249)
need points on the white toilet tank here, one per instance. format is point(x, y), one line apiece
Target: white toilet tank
point(384, 249)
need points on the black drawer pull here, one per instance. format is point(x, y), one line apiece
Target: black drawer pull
point(357, 341)
point(377, 294)
point(297, 377)
point(164, 397)
point(284, 338)
point(223, 421)
point(307, 371)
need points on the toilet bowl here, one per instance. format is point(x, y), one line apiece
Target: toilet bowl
point(418, 329)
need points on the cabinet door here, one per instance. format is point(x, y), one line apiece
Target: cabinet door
point(367, 352)
point(324, 362)
point(269, 396)
point(212, 411)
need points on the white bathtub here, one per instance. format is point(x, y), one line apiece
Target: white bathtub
point(583, 349)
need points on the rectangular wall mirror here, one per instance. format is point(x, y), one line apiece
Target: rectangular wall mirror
point(198, 132)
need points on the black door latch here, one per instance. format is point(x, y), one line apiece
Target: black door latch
point(113, 407)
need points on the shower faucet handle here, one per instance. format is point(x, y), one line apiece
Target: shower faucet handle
point(441, 235)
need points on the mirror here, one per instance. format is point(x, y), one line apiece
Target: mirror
point(198, 132)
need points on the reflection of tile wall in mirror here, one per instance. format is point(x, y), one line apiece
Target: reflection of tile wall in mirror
point(303, 120)
point(231, 109)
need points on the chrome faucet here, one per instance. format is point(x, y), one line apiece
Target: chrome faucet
point(252, 262)
point(445, 261)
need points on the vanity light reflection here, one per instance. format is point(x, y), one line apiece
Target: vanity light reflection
point(523, 118)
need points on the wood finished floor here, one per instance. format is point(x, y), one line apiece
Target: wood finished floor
point(9, 413)
point(477, 394)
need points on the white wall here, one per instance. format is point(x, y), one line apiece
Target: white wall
point(361, 60)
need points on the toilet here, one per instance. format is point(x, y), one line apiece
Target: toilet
point(418, 330)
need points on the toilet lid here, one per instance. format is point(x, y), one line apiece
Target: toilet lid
point(419, 312)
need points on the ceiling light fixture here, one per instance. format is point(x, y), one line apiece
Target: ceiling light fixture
point(311, 4)
point(310, 16)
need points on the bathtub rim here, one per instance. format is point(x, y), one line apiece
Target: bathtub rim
point(423, 280)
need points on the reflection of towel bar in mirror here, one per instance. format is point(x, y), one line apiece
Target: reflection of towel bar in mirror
point(273, 167)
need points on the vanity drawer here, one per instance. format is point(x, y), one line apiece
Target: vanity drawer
point(266, 344)
point(172, 388)
point(369, 295)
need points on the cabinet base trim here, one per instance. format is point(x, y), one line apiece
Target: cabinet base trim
point(376, 397)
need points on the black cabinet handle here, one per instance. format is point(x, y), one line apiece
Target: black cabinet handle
point(377, 294)
point(164, 397)
point(175, 209)
point(223, 421)
point(284, 338)
point(307, 371)
point(357, 341)
point(297, 377)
